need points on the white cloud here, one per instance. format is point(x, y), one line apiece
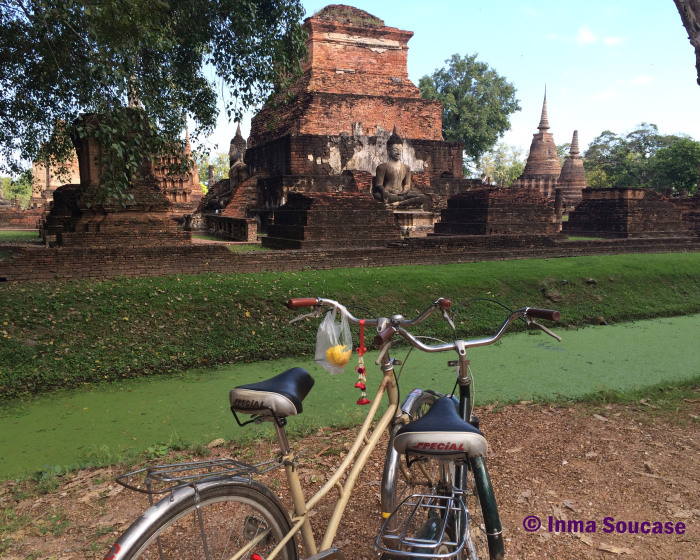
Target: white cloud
point(585, 36)
point(613, 41)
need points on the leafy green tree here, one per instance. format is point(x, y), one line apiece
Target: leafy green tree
point(678, 166)
point(169, 59)
point(502, 165)
point(563, 152)
point(627, 160)
point(477, 103)
point(220, 162)
point(20, 187)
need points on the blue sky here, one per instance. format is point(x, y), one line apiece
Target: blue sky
point(607, 65)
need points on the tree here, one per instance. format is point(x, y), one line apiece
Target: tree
point(20, 187)
point(678, 166)
point(642, 158)
point(477, 103)
point(626, 160)
point(220, 161)
point(502, 165)
point(61, 59)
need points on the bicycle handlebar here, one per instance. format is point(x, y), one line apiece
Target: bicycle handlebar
point(548, 314)
point(397, 323)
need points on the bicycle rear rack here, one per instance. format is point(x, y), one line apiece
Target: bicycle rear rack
point(423, 526)
point(160, 479)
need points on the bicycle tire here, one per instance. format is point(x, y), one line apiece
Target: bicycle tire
point(483, 526)
point(395, 485)
point(235, 513)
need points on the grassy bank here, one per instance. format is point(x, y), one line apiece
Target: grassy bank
point(67, 334)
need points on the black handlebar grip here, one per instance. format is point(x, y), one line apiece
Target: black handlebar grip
point(384, 336)
point(302, 302)
point(548, 314)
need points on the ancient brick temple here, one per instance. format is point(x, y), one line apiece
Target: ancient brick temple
point(47, 178)
point(145, 221)
point(542, 169)
point(353, 92)
point(182, 190)
point(624, 212)
point(572, 179)
point(498, 211)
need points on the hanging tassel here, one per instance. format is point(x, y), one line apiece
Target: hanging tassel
point(360, 369)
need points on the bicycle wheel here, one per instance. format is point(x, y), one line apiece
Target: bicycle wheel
point(398, 481)
point(222, 518)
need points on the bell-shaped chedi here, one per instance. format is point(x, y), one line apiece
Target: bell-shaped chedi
point(542, 169)
point(572, 179)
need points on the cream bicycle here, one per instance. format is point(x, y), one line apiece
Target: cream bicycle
point(437, 504)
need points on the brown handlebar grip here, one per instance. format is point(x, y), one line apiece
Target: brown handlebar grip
point(384, 336)
point(444, 303)
point(302, 302)
point(549, 314)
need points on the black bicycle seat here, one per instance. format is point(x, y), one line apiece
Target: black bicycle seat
point(279, 396)
point(441, 431)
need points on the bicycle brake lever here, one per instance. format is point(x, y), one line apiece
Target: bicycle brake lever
point(532, 323)
point(448, 319)
point(317, 312)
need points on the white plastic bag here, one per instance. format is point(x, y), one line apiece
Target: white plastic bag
point(333, 343)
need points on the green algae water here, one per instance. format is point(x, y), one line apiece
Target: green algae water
point(108, 423)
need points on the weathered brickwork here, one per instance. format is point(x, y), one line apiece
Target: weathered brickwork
point(542, 168)
point(145, 222)
point(236, 229)
point(493, 211)
point(572, 179)
point(331, 220)
point(354, 73)
point(11, 218)
point(30, 263)
point(689, 207)
point(623, 212)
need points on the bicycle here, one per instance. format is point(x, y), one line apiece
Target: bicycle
point(439, 504)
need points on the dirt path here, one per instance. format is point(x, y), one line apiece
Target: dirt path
point(599, 466)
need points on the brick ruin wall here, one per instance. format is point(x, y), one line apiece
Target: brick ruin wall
point(498, 211)
point(20, 219)
point(35, 263)
point(625, 212)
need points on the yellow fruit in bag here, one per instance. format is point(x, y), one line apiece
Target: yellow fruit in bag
point(338, 355)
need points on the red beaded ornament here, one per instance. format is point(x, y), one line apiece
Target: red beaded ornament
point(360, 369)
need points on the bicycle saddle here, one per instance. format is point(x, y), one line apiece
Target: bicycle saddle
point(441, 431)
point(279, 396)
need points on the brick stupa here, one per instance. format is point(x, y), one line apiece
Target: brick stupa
point(542, 169)
point(572, 179)
point(331, 135)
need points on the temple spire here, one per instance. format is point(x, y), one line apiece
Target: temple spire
point(238, 130)
point(544, 122)
point(573, 150)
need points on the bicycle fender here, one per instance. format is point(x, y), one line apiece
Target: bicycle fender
point(161, 508)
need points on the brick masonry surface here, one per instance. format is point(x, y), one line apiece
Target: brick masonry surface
point(36, 263)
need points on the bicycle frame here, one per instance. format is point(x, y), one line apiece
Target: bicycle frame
point(364, 444)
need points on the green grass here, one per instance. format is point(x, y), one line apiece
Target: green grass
point(67, 334)
point(19, 235)
point(234, 248)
